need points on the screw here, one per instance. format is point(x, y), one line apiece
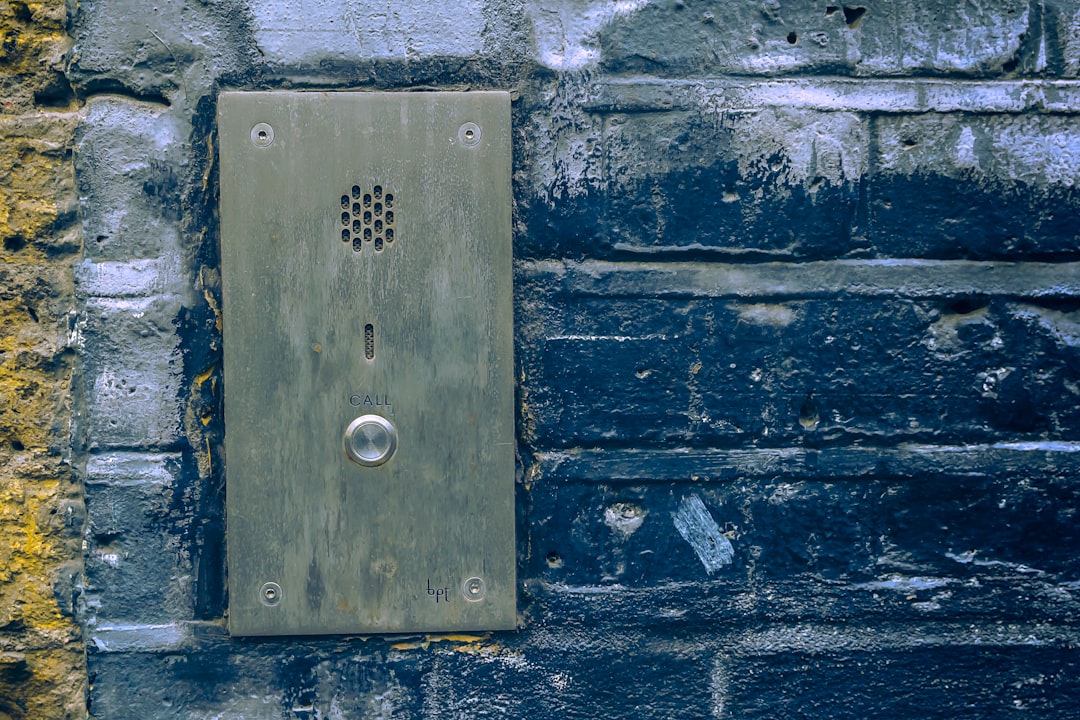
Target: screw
point(469, 134)
point(270, 593)
point(262, 135)
point(474, 589)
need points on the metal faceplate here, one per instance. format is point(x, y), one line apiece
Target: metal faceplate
point(367, 320)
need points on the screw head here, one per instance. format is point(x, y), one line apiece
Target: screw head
point(262, 135)
point(474, 589)
point(469, 134)
point(270, 594)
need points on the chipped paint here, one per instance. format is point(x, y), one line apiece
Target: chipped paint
point(772, 315)
point(901, 583)
point(624, 518)
point(718, 688)
point(697, 527)
point(1050, 157)
point(971, 558)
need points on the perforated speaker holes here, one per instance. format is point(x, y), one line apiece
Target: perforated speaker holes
point(367, 217)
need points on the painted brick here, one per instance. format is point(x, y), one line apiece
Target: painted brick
point(137, 278)
point(1061, 21)
point(815, 371)
point(153, 50)
point(804, 184)
point(187, 47)
point(365, 30)
point(749, 489)
point(767, 184)
point(904, 278)
point(943, 683)
point(256, 681)
point(128, 160)
point(770, 37)
point(137, 566)
point(606, 671)
point(561, 149)
point(468, 680)
point(855, 549)
point(723, 96)
point(976, 187)
point(132, 367)
point(760, 184)
point(661, 679)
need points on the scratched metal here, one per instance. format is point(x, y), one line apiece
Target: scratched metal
point(327, 317)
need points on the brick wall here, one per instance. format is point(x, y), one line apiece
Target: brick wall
point(797, 291)
point(42, 663)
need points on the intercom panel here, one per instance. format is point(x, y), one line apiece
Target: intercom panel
point(368, 361)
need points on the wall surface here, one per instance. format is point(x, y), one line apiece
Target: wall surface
point(798, 338)
point(42, 662)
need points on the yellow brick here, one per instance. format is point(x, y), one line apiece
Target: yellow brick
point(42, 660)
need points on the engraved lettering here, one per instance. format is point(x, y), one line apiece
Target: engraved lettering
point(439, 594)
point(376, 400)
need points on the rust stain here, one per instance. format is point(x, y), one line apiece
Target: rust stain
point(464, 643)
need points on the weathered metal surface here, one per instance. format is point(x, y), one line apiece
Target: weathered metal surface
point(366, 266)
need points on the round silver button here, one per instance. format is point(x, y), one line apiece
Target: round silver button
point(370, 440)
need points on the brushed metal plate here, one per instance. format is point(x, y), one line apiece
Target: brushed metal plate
point(366, 270)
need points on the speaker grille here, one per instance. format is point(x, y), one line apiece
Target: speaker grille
point(367, 217)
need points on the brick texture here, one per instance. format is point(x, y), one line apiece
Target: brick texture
point(42, 662)
point(796, 321)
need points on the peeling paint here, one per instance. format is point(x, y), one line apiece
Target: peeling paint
point(718, 688)
point(1050, 157)
point(716, 364)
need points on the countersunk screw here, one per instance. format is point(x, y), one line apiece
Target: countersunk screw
point(270, 593)
point(469, 134)
point(474, 589)
point(262, 135)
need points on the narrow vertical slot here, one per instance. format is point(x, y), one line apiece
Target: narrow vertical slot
point(369, 341)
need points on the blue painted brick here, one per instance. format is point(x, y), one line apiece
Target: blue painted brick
point(132, 370)
point(867, 38)
point(128, 161)
point(137, 567)
point(991, 187)
point(700, 372)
